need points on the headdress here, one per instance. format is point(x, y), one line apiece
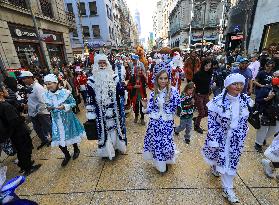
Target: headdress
point(234, 78)
point(51, 78)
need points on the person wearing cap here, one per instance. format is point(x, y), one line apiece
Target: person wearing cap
point(247, 73)
point(66, 128)
point(37, 111)
point(103, 93)
point(254, 66)
point(227, 130)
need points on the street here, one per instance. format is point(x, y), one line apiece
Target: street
point(130, 180)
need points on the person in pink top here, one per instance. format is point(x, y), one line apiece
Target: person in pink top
point(254, 66)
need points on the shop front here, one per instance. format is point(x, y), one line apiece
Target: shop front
point(270, 39)
point(27, 46)
point(55, 47)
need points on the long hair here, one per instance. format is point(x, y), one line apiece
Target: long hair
point(204, 63)
point(156, 86)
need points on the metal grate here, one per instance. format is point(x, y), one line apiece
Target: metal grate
point(46, 8)
point(17, 3)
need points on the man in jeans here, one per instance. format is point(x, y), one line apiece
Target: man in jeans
point(37, 111)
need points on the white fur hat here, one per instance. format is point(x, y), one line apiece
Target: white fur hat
point(234, 78)
point(51, 78)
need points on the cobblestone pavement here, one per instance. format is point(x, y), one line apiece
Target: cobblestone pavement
point(130, 180)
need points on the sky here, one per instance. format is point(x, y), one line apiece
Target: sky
point(146, 9)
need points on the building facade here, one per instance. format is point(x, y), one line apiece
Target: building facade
point(100, 23)
point(194, 21)
point(265, 30)
point(22, 45)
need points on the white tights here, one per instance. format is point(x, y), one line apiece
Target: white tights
point(227, 181)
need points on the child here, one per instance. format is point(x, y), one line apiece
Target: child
point(159, 146)
point(186, 112)
point(13, 127)
point(66, 128)
point(137, 88)
point(227, 130)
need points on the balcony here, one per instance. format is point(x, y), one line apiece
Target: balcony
point(71, 21)
point(19, 4)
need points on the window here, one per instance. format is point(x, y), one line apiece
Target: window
point(46, 8)
point(93, 8)
point(110, 32)
point(70, 8)
point(96, 31)
point(85, 30)
point(75, 33)
point(108, 12)
point(82, 11)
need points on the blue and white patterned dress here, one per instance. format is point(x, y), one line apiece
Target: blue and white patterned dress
point(66, 128)
point(158, 143)
point(227, 132)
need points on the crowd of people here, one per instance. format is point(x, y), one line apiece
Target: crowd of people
point(179, 84)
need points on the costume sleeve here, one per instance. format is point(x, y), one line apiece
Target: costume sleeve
point(90, 103)
point(213, 129)
point(120, 90)
point(150, 104)
point(69, 103)
point(177, 101)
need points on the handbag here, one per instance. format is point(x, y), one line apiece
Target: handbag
point(254, 117)
point(91, 129)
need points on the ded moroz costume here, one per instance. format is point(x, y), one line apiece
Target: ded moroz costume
point(103, 104)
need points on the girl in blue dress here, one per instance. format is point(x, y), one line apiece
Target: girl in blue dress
point(66, 128)
point(158, 143)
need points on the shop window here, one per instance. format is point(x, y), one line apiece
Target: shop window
point(82, 10)
point(75, 33)
point(70, 7)
point(46, 8)
point(93, 8)
point(96, 31)
point(86, 31)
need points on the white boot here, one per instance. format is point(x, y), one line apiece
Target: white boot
point(268, 169)
point(214, 171)
point(230, 195)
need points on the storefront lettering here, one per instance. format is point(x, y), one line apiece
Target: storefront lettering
point(53, 49)
point(21, 33)
point(26, 50)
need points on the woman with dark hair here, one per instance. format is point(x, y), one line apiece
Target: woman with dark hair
point(202, 80)
point(159, 146)
point(227, 130)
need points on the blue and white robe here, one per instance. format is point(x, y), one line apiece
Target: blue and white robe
point(158, 142)
point(66, 128)
point(104, 105)
point(227, 132)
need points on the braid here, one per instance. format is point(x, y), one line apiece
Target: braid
point(223, 99)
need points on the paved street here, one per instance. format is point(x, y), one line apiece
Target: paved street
point(130, 180)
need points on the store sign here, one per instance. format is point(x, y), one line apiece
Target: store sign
point(206, 37)
point(28, 49)
point(49, 36)
point(238, 37)
point(19, 32)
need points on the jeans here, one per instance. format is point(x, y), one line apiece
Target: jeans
point(200, 103)
point(187, 125)
point(42, 126)
point(265, 132)
point(138, 109)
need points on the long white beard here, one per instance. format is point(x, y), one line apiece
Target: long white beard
point(104, 86)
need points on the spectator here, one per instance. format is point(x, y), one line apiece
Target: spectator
point(37, 111)
point(254, 66)
point(192, 65)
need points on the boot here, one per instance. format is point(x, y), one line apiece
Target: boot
point(230, 195)
point(76, 153)
point(66, 160)
point(142, 122)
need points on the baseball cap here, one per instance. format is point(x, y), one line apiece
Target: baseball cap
point(243, 60)
point(24, 74)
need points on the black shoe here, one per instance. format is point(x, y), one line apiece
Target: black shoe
point(46, 143)
point(258, 148)
point(66, 160)
point(198, 130)
point(187, 141)
point(176, 133)
point(32, 169)
point(76, 154)
point(194, 119)
point(167, 168)
point(264, 142)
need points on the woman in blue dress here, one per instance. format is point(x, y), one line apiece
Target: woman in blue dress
point(66, 128)
point(158, 143)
